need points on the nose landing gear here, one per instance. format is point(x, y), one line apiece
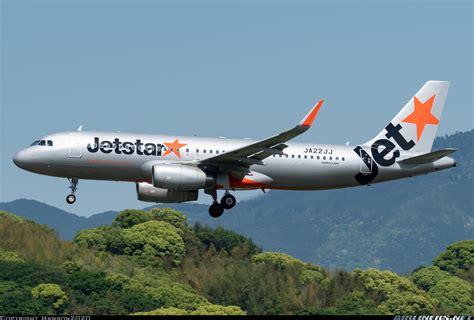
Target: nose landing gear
point(71, 198)
point(216, 209)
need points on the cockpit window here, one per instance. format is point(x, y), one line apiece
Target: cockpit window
point(48, 143)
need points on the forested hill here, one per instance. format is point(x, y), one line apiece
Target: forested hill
point(396, 225)
point(154, 263)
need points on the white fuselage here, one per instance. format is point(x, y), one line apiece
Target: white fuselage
point(173, 169)
point(130, 157)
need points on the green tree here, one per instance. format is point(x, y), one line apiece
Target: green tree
point(119, 280)
point(71, 266)
point(384, 282)
point(427, 277)
point(223, 239)
point(88, 282)
point(154, 239)
point(393, 293)
point(407, 303)
point(314, 277)
point(467, 275)
point(173, 217)
point(50, 293)
point(177, 296)
point(103, 238)
point(114, 239)
point(169, 311)
point(459, 255)
point(356, 303)
point(91, 238)
point(454, 295)
point(10, 256)
point(129, 218)
point(278, 260)
point(16, 299)
point(218, 310)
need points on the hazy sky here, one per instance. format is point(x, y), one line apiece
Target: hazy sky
point(234, 69)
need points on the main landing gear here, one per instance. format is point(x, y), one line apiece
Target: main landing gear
point(72, 197)
point(216, 209)
point(228, 201)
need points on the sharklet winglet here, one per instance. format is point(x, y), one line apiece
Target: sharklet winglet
point(309, 118)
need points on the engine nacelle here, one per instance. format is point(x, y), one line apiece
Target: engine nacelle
point(147, 192)
point(180, 177)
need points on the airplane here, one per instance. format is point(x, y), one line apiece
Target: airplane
point(172, 169)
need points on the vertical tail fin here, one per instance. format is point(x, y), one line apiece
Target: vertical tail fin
point(414, 127)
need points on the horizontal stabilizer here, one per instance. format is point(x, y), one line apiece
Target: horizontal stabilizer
point(428, 157)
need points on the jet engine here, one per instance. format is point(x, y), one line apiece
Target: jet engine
point(180, 177)
point(147, 192)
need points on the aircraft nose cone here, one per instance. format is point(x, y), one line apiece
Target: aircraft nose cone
point(20, 159)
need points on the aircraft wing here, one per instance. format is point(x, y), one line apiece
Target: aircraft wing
point(254, 153)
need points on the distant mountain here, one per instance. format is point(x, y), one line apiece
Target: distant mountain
point(396, 225)
point(65, 223)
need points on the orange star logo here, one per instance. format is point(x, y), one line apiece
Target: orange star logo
point(173, 147)
point(422, 115)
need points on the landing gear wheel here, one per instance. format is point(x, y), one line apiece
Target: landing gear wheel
point(71, 199)
point(216, 210)
point(73, 186)
point(228, 201)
